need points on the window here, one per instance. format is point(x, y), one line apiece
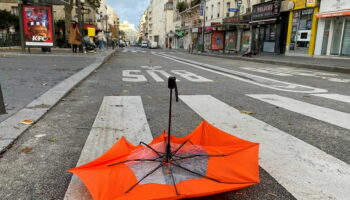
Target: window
point(228, 5)
point(218, 9)
point(14, 10)
point(212, 11)
point(206, 13)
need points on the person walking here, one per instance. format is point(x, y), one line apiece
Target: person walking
point(74, 37)
point(101, 38)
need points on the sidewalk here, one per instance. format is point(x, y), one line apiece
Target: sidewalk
point(32, 85)
point(334, 64)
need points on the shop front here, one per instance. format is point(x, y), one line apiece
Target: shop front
point(302, 27)
point(333, 34)
point(266, 27)
point(237, 33)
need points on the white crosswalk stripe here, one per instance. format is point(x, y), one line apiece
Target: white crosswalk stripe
point(328, 115)
point(304, 170)
point(337, 97)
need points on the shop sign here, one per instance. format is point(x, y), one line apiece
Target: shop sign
point(291, 5)
point(194, 30)
point(37, 25)
point(311, 3)
point(334, 5)
point(298, 4)
point(266, 10)
point(237, 19)
point(215, 23)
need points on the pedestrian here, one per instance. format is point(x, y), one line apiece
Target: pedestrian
point(101, 38)
point(74, 37)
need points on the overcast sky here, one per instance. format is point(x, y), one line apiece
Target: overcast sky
point(129, 10)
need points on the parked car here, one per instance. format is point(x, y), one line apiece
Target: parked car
point(153, 45)
point(122, 43)
point(144, 44)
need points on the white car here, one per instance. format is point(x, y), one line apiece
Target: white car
point(154, 45)
point(144, 44)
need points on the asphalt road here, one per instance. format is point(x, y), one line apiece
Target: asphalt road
point(25, 77)
point(35, 166)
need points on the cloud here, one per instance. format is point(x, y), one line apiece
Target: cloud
point(130, 10)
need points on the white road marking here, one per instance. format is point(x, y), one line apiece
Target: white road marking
point(283, 71)
point(154, 75)
point(328, 115)
point(151, 67)
point(253, 79)
point(191, 76)
point(131, 76)
point(304, 170)
point(117, 117)
point(266, 71)
point(337, 97)
point(134, 51)
point(125, 50)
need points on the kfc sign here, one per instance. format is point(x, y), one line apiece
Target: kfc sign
point(37, 25)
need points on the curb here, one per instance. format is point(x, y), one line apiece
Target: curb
point(12, 128)
point(345, 70)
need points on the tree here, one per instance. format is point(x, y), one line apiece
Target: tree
point(95, 4)
point(122, 35)
point(8, 20)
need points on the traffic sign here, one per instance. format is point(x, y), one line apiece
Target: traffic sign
point(233, 9)
point(85, 11)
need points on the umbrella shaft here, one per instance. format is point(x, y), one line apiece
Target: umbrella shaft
point(168, 147)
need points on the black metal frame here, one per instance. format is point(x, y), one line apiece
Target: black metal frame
point(2, 104)
point(169, 158)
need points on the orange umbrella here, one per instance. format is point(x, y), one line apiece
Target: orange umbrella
point(207, 161)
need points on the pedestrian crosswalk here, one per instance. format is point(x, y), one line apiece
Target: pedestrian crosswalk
point(331, 116)
point(151, 51)
point(134, 51)
point(304, 170)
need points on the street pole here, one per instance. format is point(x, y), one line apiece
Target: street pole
point(78, 2)
point(2, 104)
point(203, 27)
point(21, 27)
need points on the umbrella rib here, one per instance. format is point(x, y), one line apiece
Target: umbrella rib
point(155, 159)
point(157, 152)
point(180, 147)
point(174, 183)
point(149, 173)
point(196, 173)
point(197, 155)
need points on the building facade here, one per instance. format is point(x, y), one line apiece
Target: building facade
point(302, 27)
point(333, 33)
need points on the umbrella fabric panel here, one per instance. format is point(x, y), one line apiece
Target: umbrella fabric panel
point(207, 161)
point(162, 175)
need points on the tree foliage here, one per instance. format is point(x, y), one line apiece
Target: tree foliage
point(181, 6)
point(7, 20)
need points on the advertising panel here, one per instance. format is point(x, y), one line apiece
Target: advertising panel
point(217, 41)
point(333, 6)
point(37, 23)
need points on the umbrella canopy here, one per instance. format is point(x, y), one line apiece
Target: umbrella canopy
point(207, 161)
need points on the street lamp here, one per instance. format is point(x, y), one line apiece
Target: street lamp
point(202, 13)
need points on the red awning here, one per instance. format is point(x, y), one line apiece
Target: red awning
point(91, 26)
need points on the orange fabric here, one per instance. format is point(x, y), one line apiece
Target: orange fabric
point(239, 167)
